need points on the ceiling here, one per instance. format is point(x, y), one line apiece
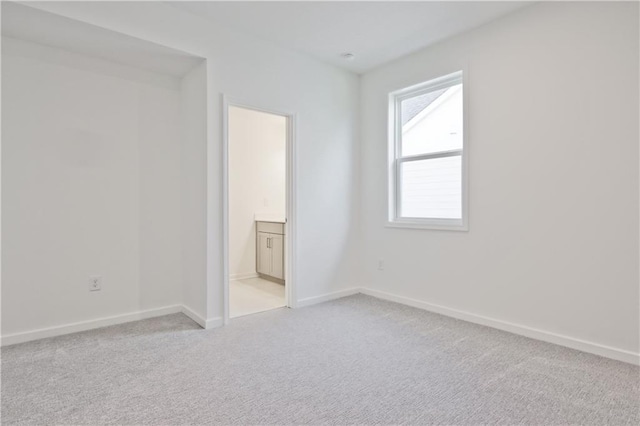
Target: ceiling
point(375, 32)
point(27, 23)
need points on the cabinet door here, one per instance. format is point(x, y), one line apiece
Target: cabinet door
point(263, 260)
point(277, 256)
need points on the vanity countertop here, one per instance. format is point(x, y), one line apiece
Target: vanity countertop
point(266, 217)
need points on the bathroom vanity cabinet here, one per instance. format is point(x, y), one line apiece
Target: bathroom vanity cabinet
point(270, 250)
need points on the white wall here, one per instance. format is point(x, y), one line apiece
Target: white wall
point(258, 73)
point(553, 137)
point(91, 186)
point(257, 180)
point(553, 240)
point(193, 99)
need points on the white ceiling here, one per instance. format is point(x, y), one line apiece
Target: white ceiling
point(26, 23)
point(375, 32)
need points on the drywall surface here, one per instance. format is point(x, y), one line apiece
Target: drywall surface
point(90, 187)
point(257, 180)
point(193, 98)
point(553, 149)
point(325, 101)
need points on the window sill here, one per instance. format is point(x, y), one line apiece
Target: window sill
point(427, 226)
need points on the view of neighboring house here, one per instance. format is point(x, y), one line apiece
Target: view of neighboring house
point(432, 124)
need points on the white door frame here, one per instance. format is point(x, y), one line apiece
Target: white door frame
point(290, 226)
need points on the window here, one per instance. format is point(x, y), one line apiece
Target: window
point(427, 155)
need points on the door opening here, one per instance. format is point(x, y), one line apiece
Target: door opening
point(258, 213)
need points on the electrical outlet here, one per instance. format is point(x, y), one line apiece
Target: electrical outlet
point(380, 265)
point(95, 283)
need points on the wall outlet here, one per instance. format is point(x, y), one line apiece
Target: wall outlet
point(95, 283)
point(380, 265)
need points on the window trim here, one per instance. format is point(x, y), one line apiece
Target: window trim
point(395, 160)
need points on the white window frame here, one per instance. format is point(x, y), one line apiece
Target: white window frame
point(395, 160)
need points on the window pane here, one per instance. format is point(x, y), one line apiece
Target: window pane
point(432, 122)
point(431, 188)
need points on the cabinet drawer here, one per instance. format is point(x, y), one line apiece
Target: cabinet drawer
point(271, 227)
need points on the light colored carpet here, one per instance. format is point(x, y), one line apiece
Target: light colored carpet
point(356, 360)
point(253, 295)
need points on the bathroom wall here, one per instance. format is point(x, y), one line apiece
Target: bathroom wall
point(257, 181)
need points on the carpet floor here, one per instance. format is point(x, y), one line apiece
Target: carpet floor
point(356, 360)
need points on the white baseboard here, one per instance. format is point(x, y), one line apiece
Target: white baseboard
point(243, 276)
point(201, 321)
point(195, 317)
point(214, 323)
point(42, 333)
point(534, 333)
point(326, 297)
point(546, 336)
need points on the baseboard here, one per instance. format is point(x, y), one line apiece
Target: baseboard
point(201, 321)
point(534, 333)
point(326, 297)
point(546, 336)
point(43, 333)
point(243, 276)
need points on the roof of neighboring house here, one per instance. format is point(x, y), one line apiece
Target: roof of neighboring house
point(413, 106)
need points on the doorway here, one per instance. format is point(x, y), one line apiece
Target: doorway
point(258, 209)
